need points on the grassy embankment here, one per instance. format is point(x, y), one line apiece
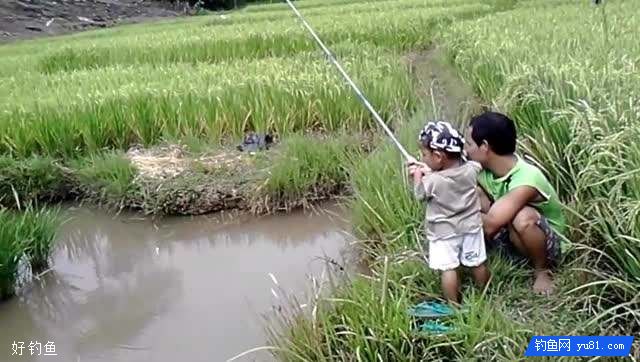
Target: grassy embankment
point(573, 88)
point(72, 106)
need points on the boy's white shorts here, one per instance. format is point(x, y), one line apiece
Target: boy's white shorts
point(449, 253)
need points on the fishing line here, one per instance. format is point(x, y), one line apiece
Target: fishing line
point(355, 88)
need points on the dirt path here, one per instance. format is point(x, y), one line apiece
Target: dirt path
point(453, 99)
point(25, 19)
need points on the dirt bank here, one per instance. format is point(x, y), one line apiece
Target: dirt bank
point(24, 19)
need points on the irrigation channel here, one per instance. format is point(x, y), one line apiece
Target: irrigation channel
point(126, 288)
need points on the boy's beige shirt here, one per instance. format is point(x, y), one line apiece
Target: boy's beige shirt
point(453, 206)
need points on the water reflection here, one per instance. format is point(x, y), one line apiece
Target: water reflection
point(130, 289)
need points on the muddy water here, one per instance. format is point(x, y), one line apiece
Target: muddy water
point(186, 289)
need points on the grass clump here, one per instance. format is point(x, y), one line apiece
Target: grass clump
point(35, 179)
point(366, 318)
point(30, 234)
point(383, 207)
point(308, 168)
point(108, 179)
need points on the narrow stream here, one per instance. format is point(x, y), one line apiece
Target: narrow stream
point(186, 289)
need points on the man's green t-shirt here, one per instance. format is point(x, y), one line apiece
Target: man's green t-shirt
point(526, 174)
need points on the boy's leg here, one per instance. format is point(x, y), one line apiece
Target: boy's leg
point(481, 274)
point(443, 256)
point(474, 256)
point(532, 236)
point(451, 285)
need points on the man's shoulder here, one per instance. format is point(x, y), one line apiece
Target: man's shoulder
point(529, 173)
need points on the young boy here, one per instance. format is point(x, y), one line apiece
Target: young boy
point(453, 225)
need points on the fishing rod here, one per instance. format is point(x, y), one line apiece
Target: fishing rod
point(410, 159)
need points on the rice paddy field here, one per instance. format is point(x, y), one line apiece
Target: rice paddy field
point(566, 70)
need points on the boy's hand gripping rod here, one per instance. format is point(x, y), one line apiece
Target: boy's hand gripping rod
point(407, 156)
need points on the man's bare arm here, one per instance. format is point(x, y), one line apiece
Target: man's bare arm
point(505, 209)
point(485, 202)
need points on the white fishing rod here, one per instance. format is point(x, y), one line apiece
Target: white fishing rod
point(364, 100)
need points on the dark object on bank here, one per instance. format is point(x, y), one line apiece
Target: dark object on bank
point(222, 4)
point(255, 142)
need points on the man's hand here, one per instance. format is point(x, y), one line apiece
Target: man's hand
point(505, 209)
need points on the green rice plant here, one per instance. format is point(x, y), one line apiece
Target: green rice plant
point(30, 233)
point(108, 178)
point(37, 228)
point(148, 105)
point(284, 14)
point(383, 206)
point(23, 181)
point(307, 4)
point(574, 96)
point(308, 168)
point(11, 250)
point(405, 29)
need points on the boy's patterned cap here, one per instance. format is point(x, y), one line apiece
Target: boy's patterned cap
point(442, 136)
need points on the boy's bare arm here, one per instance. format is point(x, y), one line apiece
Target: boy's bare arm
point(417, 172)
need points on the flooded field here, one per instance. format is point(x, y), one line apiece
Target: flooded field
point(123, 288)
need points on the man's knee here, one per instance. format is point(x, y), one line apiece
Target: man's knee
point(525, 220)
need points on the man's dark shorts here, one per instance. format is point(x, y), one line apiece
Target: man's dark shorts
point(502, 243)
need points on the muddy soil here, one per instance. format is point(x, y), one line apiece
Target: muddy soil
point(24, 19)
point(177, 182)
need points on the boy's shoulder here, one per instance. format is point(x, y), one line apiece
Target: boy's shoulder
point(466, 169)
point(474, 165)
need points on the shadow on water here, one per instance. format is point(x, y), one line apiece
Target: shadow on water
point(123, 288)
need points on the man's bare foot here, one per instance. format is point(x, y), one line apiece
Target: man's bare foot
point(543, 283)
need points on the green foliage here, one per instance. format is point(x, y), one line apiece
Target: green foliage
point(23, 181)
point(107, 178)
point(574, 96)
point(308, 168)
point(30, 234)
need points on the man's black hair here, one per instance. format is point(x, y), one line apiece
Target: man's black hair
point(497, 129)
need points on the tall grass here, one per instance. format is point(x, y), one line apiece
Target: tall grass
point(30, 233)
point(366, 318)
point(108, 179)
point(576, 116)
point(383, 207)
point(146, 105)
point(307, 169)
point(404, 28)
point(35, 179)
point(574, 93)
